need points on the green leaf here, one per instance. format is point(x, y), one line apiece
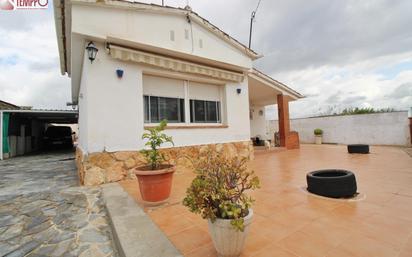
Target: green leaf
point(155, 138)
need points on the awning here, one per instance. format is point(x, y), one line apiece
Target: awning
point(127, 54)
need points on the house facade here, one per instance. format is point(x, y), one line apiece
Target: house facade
point(153, 63)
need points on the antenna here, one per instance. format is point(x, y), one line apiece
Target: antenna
point(252, 18)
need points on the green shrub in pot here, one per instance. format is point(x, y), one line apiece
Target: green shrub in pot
point(318, 136)
point(318, 132)
point(218, 194)
point(155, 177)
point(155, 138)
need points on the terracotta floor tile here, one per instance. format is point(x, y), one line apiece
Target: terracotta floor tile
point(405, 191)
point(406, 250)
point(207, 250)
point(272, 230)
point(173, 224)
point(338, 252)
point(166, 210)
point(341, 221)
point(360, 245)
point(254, 243)
point(274, 250)
point(288, 220)
point(190, 239)
point(266, 209)
point(191, 216)
point(197, 220)
point(323, 202)
point(294, 220)
point(378, 198)
point(329, 234)
point(310, 212)
point(383, 229)
point(305, 245)
point(400, 206)
point(203, 225)
point(357, 210)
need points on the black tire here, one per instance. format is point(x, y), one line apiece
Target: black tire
point(332, 183)
point(358, 148)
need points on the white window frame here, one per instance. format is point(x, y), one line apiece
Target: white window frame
point(158, 107)
point(218, 113)
point(187, 122)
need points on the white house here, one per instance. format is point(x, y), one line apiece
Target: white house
point(175, 65)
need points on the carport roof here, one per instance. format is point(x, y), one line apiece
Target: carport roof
point(7, 106)
point(49, 116)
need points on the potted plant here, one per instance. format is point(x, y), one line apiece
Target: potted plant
point(155, 178)
point(217, 193)
point(318, 136)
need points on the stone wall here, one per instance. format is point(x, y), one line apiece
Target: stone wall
point(106, 167)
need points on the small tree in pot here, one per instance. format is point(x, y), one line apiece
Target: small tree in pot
point(218, 194)
point(155, 178)
point(318, 136)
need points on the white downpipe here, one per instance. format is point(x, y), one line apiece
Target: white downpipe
point(1, 135)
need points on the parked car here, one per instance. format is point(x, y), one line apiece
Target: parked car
point(58, 136)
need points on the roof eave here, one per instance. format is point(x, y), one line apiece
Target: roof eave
point(59, 24)
point(291, 92)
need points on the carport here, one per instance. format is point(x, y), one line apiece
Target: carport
point(21, 131)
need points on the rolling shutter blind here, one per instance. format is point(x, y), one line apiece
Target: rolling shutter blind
point(201, 91)
point(165, 87)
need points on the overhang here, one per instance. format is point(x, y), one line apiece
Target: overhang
point(47, 116)
point(263, 89)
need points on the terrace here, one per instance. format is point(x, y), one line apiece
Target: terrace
point(289, 221)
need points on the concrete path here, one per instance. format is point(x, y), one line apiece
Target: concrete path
point(43, 212)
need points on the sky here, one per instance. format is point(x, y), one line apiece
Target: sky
point(339, 53)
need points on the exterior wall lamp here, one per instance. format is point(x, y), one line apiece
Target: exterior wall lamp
point(91, 51)
point(238, 90)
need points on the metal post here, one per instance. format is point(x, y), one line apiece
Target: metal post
point(251, 23)
point(251, 26)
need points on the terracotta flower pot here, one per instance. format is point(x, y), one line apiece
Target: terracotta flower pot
point(227, 240)
point(155, 185)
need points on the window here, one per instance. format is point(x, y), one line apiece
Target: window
point(158, 108)
point(204, 111)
